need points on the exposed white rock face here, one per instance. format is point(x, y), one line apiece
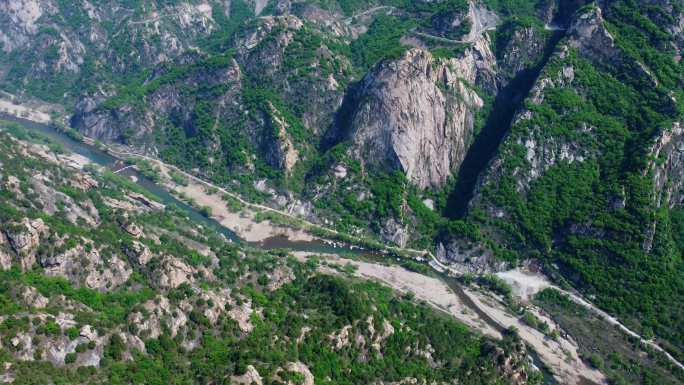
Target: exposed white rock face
point(139, 253)
point(282, 152)
point(160, 313)
point(266, 25)
point(667, 165)
point(168, 100)
point(340, 171)
point(279, 277)
point(75, 211)
point(394, 232)
point(341, 338)
point(24, 239)
point(173, 273)
point(669, 174)
point(468, 258)
point(377, 337)
point(481, 20)
point(251, 377)
point(33, 298)
point(22, 15)
point(259, 6)
point(145, 201)
point(87, 267)
point(590, 37)
point(175, 27)
point(134, 202)
point(299, 367)
point(133, 343)
point(84, 182)
point(57, 351)
point(133, 229)
point(5, 257)
point(23, 344)
point(242, 314)
point(416, 114)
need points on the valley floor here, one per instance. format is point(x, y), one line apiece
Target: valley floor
point(476, 307)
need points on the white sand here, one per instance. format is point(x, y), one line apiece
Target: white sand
point(524, 283)
point(431, 290)
point(242, 223)
point(561, 355)
point(24, 111)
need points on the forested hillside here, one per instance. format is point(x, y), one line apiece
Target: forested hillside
point(483, 135)
point(100, 283)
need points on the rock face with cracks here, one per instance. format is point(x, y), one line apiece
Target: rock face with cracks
point(416, 114)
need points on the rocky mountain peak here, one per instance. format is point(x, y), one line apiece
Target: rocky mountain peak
point(415, 114)
point(590, 37)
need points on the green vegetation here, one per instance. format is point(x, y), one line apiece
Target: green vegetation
point(606, 347)
point(133, 93)
point(594, 214)
point(566, 216)
point(381, 41)
point(207, 349)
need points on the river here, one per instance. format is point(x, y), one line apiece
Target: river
point(113, 163)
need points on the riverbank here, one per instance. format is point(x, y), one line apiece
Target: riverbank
point(248, 220)
point(241, 220)
point(475, 307)
point(231, 210)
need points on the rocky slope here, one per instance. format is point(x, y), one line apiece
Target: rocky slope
point(130, 291)
point(487, 132)
point(52, 48)
point(234, 111)
point(587, 180)
point(416, 115)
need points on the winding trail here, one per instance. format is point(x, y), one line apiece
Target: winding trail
point(350, 19)
point(583, 302)
point(256, 206)
point(471, 38)
point(433, 261)
point(614, 321)
point(123, 169)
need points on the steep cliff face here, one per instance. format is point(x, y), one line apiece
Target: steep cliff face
point(262, 102)
point(538, 146)
point(122, 117)
point(292, 57)
point(415, 114)
point(588, 177)
point(668, 167)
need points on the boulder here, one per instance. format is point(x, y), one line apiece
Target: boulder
point(24, 238)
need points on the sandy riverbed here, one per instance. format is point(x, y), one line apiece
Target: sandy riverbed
point(24, 111)
point(560, 355)
point(241, 222)
point(431, 290)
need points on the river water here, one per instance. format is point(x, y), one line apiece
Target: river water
point(102, 158)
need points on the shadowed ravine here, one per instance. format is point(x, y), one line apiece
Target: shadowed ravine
point(509, 100)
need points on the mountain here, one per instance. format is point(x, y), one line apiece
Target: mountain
point(587, 177)
point(102, 283)
point(478, 136)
